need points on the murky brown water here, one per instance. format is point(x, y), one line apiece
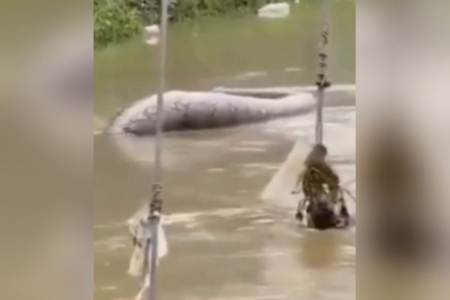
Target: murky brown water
point(224, 242)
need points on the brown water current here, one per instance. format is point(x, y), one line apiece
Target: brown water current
point(224, 241)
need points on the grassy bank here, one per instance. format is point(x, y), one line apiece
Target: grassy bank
point(118, 20)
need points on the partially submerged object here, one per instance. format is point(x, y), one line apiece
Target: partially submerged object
point(323, 203)
point(206, 110)
point(340, 90)
point(274, 11)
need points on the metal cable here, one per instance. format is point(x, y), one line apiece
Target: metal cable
point(322, 82)
point(155, 205)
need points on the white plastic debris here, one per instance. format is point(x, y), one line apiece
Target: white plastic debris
point(140, 229)
point(274, 11)
point(152, 35)
point(140, 232)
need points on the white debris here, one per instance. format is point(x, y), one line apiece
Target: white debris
point(274, 11)
point(152, 35)
point(141, 233)
point(141, 230)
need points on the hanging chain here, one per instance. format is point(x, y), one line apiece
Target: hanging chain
point(322, 82)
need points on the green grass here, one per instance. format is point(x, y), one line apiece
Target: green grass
point(119, 20)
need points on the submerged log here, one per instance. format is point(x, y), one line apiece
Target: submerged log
point(206, 110)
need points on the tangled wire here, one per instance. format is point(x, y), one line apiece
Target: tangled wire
point(324, 202)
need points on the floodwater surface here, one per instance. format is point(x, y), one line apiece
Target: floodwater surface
point(224, 241)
